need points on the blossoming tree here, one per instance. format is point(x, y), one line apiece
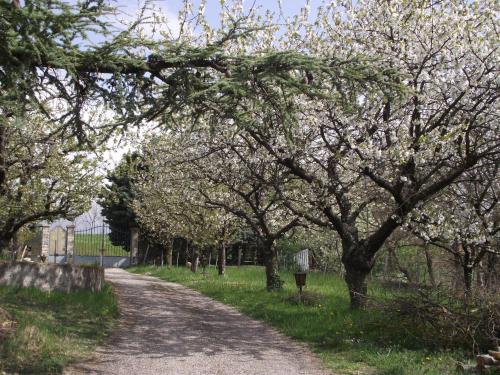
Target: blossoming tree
point(366, 151)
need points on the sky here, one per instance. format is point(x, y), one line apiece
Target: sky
point(171, 8)
point(127, 11)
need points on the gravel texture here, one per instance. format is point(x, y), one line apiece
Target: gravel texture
point(166, 328)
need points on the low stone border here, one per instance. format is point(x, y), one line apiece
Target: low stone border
point(50, 277)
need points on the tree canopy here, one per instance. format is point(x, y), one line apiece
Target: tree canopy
point(352, 119)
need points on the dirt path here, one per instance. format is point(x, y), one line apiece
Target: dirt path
point(166, 328)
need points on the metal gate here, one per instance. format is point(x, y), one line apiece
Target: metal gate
point(56, 247)
point(104, 245)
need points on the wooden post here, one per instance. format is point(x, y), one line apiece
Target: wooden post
point(239, 255)
point(24, 252)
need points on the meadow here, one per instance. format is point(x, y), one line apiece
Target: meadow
point(52, 329)
point(349, 342)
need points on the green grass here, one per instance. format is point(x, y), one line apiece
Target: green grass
point(349, 342)
point(91, 245)
point(54, 329)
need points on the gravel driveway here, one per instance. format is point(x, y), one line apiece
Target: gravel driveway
point(166, 328)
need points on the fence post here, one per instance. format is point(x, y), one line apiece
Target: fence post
point(134, 244)
point(45, 241)
point(70, 242)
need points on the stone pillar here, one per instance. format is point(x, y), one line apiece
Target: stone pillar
point(134, 245)
point(45, 241)
point(70, 243)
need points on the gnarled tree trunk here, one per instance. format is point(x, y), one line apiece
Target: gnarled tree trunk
point(358, 264)
point(357, 285)
point(273, 280)
point(468, 275)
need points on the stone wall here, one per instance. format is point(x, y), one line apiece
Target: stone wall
point(50, 277)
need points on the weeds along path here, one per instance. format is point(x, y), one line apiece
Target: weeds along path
point(166, 328)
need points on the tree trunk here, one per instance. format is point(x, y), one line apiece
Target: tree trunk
point(430, 266)
point(196, 257)
point(4, 243)
point(480, 284)
point(239, 256)
point(222, 258)
point(400, 267)
point(386, 264)
point(357, 285)
point(6, 237)
point(170, 248)
point(468, 273)
point(358, 262)
point(3, 172)
point(144, 260)
point(273, 280)
point(491, 274)
point(468, 269)
point(457, 278)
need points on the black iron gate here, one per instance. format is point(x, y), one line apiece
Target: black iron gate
point(102, 241)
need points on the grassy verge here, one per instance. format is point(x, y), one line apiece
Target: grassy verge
point(349, 342)
point(53, 329)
